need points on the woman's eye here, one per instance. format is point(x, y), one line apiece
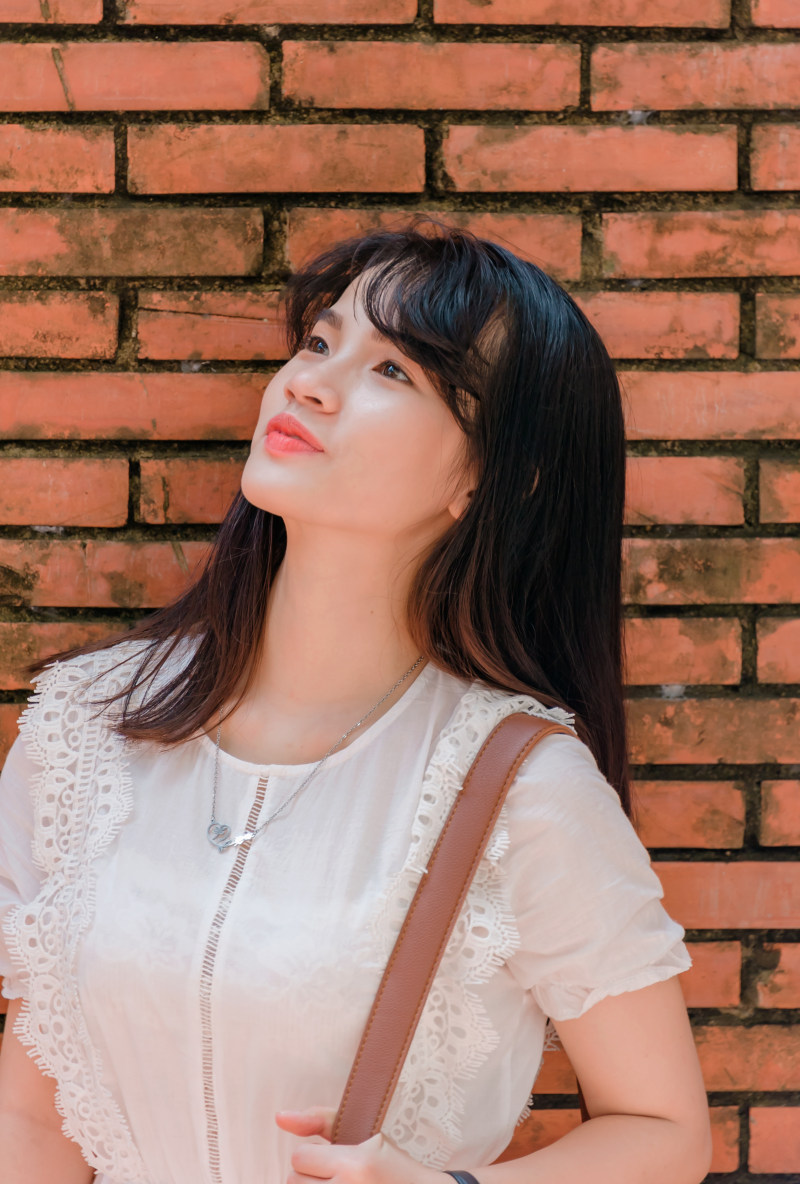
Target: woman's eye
point(396, 371)
point(310, 342)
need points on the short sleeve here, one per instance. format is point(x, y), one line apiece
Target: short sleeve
point(586, 898)
point(20, 879)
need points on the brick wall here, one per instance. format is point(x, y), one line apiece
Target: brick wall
point(163, 166)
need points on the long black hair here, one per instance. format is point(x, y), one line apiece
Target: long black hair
point(523, 591)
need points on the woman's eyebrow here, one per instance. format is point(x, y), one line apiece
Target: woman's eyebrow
point(331, 317)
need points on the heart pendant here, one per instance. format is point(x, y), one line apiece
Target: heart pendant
point(219, 834)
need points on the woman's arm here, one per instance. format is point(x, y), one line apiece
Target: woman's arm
point(635, 1058)
point(35, 1149)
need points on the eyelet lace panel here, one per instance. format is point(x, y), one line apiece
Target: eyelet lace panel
point(455, 1034)
point(81, 798)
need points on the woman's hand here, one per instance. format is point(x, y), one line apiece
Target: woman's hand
point(376, 1161)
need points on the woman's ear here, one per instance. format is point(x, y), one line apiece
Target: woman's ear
point(460, 502)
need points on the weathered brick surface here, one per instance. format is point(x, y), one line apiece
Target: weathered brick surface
point(265, 12)
point(56, 159)
point(133, 76)
point(715, 14)
point(778, 325)
point(74, 491)
point(679, 76)
point(780, 985)
point(243, 326)
point(665, 324)
point(690, 813)
point(164, 165)
point(501, 159)
point(774, 1139)
point(383, 74)
point(780, 813)
point(78, 12)
point(681, 650)
point(702, 243)
point(778, 14)
point(129, 240)
point(552, 241)
point(242, 158)
point(779, 649)
point(775, 161)
point(749, 731)
point(711, 405)
point(124, 406)
point(702, 489)
point(184, 490)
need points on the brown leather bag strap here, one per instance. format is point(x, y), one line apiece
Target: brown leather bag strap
point(428, 924)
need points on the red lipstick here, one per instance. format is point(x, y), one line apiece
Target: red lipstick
point(287, 434)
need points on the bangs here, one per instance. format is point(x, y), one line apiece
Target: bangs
point(441, 298)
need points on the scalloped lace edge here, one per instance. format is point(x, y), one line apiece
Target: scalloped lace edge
point(455, 1034)
point(81, 757)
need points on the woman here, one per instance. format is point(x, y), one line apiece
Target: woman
point(212, 828)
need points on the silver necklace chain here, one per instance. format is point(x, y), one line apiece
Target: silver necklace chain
point(219, 833)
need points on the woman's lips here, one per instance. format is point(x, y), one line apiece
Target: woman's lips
point(277, 441)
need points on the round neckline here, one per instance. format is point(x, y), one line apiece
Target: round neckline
point(337, 758)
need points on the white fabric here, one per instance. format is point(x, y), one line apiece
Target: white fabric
point(170, 1072)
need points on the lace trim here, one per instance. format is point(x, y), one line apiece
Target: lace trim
point(455, 1034)
point(81, 798)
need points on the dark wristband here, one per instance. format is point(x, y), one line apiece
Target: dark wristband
point(462, 1177)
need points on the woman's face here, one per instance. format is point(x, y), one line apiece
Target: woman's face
point(390, 460)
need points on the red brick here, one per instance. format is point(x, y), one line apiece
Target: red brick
point(223, 324)
point(670, 77)
point(678, 489)
point(72, 12)
point(623, 159)
point(780, 814)
point(706, 405)
point(665, 324)
point(266, 12)
point(56, 159)
point(188, 490)
point(419, 76)
point(552, 241)
point(703, 814)
point(762, 1057)
point(714, 977)
point(712, 571)
point(24, 643)
point(667, 13)
point(693, 650)
point(130, 240)
point(539, 1130)
point(702, 243)
point(780, 987)
point(741, 731)
point(59, 491)
point(774, 1139)
point(96, 573)
point(123, 406)
point(9, 714)
point(58, 324)
point(775, 162)
point(779, 483)
point(778, 325)
point(133, 76)
point(779, 649)
point(776, 14)
point(273, 158)
point(749, 895)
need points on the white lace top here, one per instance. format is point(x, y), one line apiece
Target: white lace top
point(181, 996)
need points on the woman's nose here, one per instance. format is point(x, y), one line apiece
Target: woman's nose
point(313, 385)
